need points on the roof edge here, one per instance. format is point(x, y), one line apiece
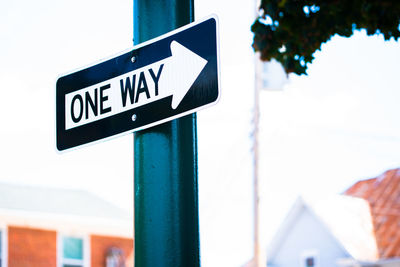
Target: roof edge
point(287, 222)
point(67, 223)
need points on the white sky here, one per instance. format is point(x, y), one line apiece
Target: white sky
point(318, 135)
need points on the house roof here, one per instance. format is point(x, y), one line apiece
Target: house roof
point(383, 195)
point(57, 200)
point(61, 209)
point(347, 218)
point(365, 220)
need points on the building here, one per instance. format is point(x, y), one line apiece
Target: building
point(357, 229)
point(49, 227)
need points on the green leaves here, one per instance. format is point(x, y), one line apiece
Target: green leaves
point(290, 31)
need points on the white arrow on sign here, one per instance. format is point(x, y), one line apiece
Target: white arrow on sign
point(171, 76)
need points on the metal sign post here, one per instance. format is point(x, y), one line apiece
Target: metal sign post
point(165, 163)
point(151, 89)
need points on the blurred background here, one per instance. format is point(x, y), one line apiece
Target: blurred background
point(317, 134)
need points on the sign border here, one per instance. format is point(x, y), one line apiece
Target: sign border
point(135, 47)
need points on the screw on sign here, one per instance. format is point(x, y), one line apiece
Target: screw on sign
point(165, 78)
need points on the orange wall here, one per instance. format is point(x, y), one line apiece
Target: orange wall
point(28, 247)
point(99, 246)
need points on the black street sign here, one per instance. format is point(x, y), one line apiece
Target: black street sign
point(159, 80)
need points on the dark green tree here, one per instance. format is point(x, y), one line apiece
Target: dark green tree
point(290, 31)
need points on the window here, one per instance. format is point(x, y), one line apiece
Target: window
point(309, 258)
point(115, 257)
point(3, 247)
point(310, 262)
point(72, 252)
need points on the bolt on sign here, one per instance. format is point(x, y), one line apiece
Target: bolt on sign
point(157, 81)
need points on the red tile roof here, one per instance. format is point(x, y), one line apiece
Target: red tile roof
point(383, 195)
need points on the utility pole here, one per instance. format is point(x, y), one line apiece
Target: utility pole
point(165, 163)
point(256, 194)
point(256, 198)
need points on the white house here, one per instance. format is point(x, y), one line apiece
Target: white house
point(357, 229)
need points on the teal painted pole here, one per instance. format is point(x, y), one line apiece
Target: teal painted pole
point(165, 163)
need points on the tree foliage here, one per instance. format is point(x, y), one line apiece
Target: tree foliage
point(290, 31)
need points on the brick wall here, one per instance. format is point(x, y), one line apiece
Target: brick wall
point(28, 247)
point(99, 245)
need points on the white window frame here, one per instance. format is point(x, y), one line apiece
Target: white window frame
point(85, 262)
point(309, 254)
point(4, 246)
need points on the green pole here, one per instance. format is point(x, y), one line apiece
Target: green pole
point(165, 163)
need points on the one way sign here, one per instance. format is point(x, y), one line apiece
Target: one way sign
point(154, 82)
